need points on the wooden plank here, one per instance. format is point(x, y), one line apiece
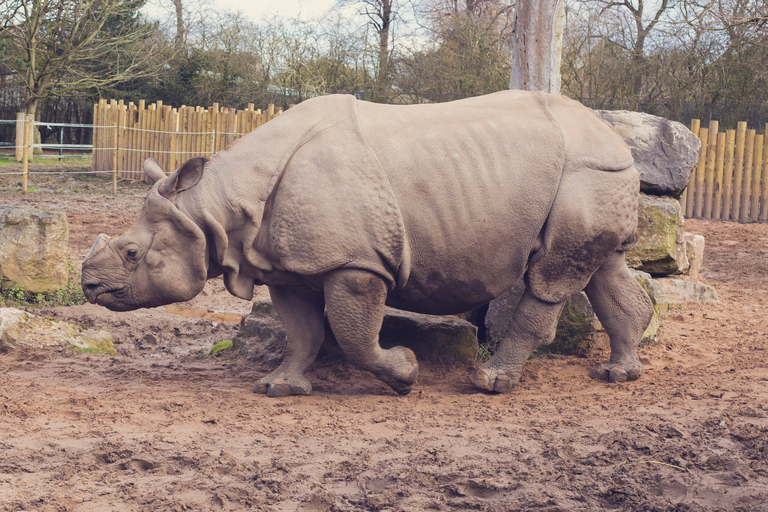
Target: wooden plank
point(173, 147)
point(709, 172)
point(717, 191)
point(746, 186)
point(689, 192)
point(757, 171)
point(764, 185)
point(738, 169)
point(698, 207)
point(730, 143)
point(19, 141)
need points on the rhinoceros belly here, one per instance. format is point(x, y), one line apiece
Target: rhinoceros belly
point(474, 181)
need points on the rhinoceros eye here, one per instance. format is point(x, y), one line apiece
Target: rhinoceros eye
point(131, 254)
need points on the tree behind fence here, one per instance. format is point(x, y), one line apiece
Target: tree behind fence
point(730, 181)
point(125, 135)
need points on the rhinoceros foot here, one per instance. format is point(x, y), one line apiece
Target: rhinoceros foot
point(399, 369)
point(629, 368)
point(493, 379)
point(276, 385)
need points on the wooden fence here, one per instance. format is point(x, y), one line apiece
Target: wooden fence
point(730, 181)
point(125, 135)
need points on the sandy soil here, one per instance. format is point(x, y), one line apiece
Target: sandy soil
point(161, 428)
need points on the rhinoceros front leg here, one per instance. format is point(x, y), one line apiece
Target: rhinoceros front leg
point(355, 306)
point(532, 326)
point(625, 310)
point(301, 312)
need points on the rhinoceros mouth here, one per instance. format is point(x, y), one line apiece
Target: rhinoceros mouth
point(108, 297)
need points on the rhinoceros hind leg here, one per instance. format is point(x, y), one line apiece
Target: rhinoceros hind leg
point(532, 326)
point(302, 315)
point(625, 310)
point(355, 306)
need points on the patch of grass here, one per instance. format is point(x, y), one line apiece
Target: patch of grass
point(484, 352)
point(69, 295)
point(223, 345)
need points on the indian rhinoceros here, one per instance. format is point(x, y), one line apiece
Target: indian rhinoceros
point(342, 207)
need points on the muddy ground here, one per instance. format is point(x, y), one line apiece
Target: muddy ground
point(160, 427)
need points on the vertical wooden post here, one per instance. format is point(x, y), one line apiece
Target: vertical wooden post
point(114, 158)
point(700, 171)
point(691, 188)
point(754, 204)
point(738, 170)
point(28, 138)
point(746, 186)
point(21, 124)
point(709, 177)
point(717, 201)
point(764, 187)
point(730, 142)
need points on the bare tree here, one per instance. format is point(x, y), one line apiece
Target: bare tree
point(381, 15)
point(65, 47)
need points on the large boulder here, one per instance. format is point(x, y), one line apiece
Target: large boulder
point(439, 339)
point(685, 290)
point(33, 248)
point(660, 246)
point(665, 151)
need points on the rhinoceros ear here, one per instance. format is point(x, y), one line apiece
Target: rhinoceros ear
point(184, 177)
point(152, 170)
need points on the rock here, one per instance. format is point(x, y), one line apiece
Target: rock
point(660, 249)
point(261, 338)
point(21, 328)
point(441, 339)
point(665, 151)
point(658, 299)
point(436, 339)
point(694, 251)
point(578, 328)
point(33, 249)
point(686, 290)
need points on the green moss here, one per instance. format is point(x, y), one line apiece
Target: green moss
point(224, 345)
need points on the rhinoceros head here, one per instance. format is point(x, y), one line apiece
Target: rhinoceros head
point(161, 259)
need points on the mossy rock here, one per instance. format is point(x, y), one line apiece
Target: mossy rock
point(21, 328)
point(660, 248)
point(436, 339)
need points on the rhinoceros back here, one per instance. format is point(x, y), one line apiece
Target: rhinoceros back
point(474, 180)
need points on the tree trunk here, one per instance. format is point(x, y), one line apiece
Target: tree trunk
point(382, 77)
point(537, 42)
point(179, 40)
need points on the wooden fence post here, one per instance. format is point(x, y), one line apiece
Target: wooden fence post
point(719, 166)
point(28, 139)
point(754, 204)
point(738, 173)
point(730, 142)
point(764, 188)
point(691, 188)
point(700, 171)
point(709, 176)
point(746, 185)
point(114, 159)
point(21, 119)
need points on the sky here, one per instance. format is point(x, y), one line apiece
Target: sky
point(256, 9)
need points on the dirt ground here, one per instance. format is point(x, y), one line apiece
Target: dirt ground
point(159, 427)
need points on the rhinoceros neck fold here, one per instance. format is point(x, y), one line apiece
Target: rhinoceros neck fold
point(229, 201)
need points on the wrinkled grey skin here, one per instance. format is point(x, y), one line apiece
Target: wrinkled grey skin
point(341, 207)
